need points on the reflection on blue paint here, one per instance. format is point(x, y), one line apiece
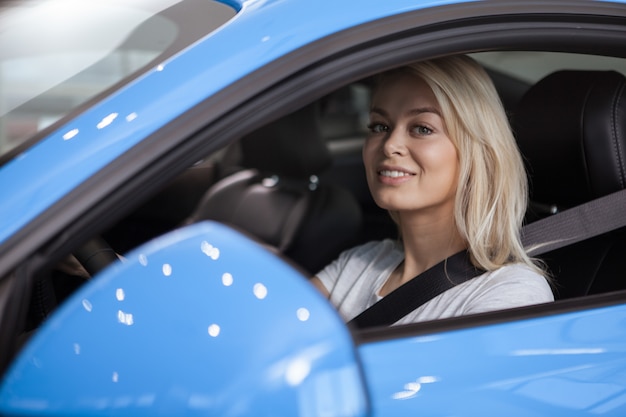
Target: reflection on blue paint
point(566, 364)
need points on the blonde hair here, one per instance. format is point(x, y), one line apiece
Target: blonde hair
point(492, 191)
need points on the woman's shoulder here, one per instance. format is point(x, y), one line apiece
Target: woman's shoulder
point(360, 263)
point(362, 255)
point(516, 279)
point(509, 286)
point(517, 271)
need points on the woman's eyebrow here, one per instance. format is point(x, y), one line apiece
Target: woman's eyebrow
point(421, 110)
point(378, 110)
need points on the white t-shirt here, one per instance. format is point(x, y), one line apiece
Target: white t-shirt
point(355, 278)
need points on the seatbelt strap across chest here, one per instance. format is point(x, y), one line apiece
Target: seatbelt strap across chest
point(406, 298)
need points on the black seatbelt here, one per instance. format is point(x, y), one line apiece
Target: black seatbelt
point(412, 294)
point(579, 223)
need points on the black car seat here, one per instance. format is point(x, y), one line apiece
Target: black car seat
point(277, 196)
point(571, 130)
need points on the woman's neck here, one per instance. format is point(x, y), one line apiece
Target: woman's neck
point(427, 241)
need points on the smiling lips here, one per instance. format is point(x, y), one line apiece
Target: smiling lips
point(393, 176)
point(393, 173)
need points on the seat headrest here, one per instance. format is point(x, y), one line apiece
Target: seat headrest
point(571, 130)
point(291, 146)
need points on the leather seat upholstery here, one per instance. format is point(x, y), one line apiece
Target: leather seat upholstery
point(278, 198)
point(571, 130)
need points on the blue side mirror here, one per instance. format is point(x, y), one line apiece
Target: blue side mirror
point(201, 321)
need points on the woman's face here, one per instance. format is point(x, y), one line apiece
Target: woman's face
point(411, 163)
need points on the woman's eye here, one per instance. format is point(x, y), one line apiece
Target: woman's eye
point(377, 128)
point(422, 130)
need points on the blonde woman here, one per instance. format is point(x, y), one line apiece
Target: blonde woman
point(441, 158)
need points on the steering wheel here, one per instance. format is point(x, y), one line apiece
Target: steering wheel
point(95, 255)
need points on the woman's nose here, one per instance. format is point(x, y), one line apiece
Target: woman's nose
point(394, 144)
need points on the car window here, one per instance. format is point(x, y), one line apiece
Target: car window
point(47, 73)
point(194, 196)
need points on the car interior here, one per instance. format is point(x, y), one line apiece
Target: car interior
point(297, 185)
point(570, 128)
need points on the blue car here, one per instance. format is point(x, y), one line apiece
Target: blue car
point(172, 172)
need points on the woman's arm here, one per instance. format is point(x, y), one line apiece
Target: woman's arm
point(317, 283)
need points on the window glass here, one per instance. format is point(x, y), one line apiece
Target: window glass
point(531, 66)
point(57, 54)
